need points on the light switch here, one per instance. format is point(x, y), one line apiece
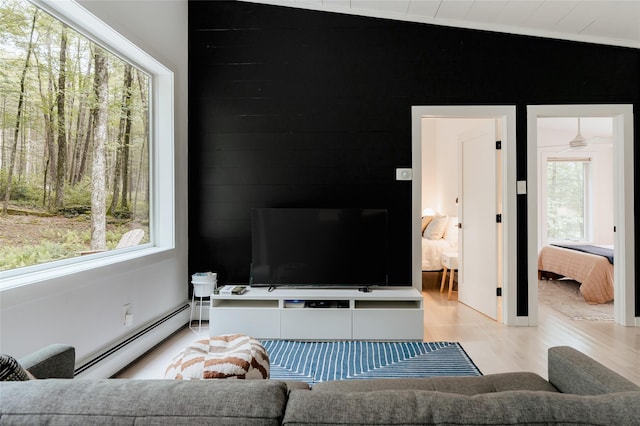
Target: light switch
point(521, 187)
point(404, 174)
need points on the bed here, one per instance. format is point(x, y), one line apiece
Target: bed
point(594, 272)
point(439, 234)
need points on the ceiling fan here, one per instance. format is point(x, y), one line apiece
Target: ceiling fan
point(580, 142)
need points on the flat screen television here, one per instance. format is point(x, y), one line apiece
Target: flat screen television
point(319, 247)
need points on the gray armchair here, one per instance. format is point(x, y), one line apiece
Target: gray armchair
point(52, 362)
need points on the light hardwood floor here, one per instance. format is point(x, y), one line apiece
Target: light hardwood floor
point(492, 346)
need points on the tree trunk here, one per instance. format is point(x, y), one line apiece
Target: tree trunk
point(62, 134)
point(16, 132)
point(127, 137)
point(3, 114)
point(98, 184)
point(122, 153)
point(117, 173)
point(83, 123)
point(145, 138)
point(49, 159)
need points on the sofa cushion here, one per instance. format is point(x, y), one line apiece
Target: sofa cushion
point(56, 361)
point(413, 407)
point(114, 401)
point(572, 371)
point(465, 385)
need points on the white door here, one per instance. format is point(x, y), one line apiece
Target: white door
point(479, 204)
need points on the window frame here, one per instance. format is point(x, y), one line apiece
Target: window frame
point(583, 157)
point(161, 151)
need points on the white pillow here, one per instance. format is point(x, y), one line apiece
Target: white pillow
point(451, 233)
point(435, 229)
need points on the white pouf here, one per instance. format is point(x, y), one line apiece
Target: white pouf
point(235, 356)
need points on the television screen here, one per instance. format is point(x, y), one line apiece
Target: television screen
point(318, 247)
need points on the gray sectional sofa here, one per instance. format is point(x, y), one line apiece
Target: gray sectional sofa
point(579, 391)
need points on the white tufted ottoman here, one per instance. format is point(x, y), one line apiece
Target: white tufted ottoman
point(234, 356)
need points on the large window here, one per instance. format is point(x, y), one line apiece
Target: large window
point(86, 124)
point(567, 199)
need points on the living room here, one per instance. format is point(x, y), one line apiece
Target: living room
point(84, 308)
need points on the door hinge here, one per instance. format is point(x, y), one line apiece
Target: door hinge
point(498, 145)
point(499, 291)
point(499, 218)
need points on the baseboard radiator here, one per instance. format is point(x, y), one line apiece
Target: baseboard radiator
point(113, 359)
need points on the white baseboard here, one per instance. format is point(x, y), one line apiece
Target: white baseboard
point(113, 359)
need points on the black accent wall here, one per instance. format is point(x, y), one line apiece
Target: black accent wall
point(299, 108)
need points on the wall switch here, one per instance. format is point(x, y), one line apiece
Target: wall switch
point(404, 174)
point(126, 312)
point(521, 187)
point(128, 320)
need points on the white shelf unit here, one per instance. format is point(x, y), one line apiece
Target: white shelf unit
point(381, 314)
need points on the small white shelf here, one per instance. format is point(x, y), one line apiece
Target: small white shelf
point(381, 314)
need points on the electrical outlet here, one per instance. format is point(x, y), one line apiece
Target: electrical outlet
point(126, 312)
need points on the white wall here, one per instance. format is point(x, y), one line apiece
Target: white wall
point(440, 163)
point(85, 309)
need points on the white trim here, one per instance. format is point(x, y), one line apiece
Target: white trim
point(509, 238)
point(624, 238)
point(92, 27)
point(482, 26)
point(161, 151)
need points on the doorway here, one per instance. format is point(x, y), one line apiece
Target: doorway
point(622, 225)
point(425, 162)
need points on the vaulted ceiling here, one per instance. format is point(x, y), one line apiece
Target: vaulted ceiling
point(613, 22)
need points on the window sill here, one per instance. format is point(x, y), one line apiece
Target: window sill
point(52, 270)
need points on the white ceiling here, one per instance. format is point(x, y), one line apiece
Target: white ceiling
point(614, 22)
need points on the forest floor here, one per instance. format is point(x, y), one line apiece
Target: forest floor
point(27, 239)
point(26, 230)
point(21, 230)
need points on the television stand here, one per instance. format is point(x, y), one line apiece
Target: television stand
point(348, 314)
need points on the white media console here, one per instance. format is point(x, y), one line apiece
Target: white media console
point(381, 314)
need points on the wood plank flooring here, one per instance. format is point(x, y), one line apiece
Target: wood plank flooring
point(496, 348)
point(492, 346)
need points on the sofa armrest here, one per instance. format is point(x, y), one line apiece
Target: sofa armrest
point(56, 361)
point(571, 371)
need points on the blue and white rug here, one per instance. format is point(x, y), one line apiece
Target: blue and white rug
point(322, 361)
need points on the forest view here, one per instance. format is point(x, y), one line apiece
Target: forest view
point(566, 200)
point(74, 160)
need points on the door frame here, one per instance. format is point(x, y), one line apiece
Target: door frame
point(507, 115)
point(624, 203)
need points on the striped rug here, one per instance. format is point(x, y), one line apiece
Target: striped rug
point(321, 361)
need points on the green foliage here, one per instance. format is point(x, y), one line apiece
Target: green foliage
point(46, 251)
point(122, 214)
point(56, 244)
point(24, 192)
point(78, 194)
point(566, 200)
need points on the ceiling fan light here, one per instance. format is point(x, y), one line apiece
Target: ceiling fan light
point(578, 142)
